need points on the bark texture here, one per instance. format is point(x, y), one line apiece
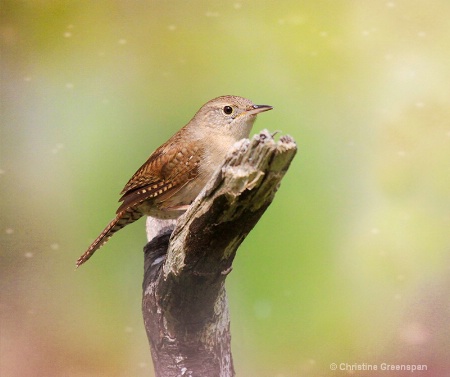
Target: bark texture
point(187, 260)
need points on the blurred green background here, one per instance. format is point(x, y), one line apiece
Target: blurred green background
point(350, 264)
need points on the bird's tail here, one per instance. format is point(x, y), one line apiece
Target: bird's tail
point(122, 219)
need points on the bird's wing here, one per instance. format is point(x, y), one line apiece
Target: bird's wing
point(166, 171)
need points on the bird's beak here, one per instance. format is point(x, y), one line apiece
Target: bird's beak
point(256, 109)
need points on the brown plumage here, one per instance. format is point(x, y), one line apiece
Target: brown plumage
point(167, 183)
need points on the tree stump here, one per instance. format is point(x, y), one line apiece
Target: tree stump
point(184, 301)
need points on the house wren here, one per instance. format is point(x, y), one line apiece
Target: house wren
point(176, 172)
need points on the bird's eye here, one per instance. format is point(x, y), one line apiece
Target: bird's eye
point(228, 110)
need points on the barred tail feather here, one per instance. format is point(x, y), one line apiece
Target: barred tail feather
point(121, 220)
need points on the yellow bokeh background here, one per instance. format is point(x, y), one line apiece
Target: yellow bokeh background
point(350, 263)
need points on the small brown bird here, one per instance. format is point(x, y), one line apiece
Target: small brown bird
point(176, 172)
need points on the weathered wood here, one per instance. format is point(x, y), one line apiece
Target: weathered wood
point(186, 261)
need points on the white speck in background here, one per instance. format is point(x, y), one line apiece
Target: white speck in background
point(212, 14)
point(262, 309)
point(419, 104)
point(57, 148)
point(68, 33)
